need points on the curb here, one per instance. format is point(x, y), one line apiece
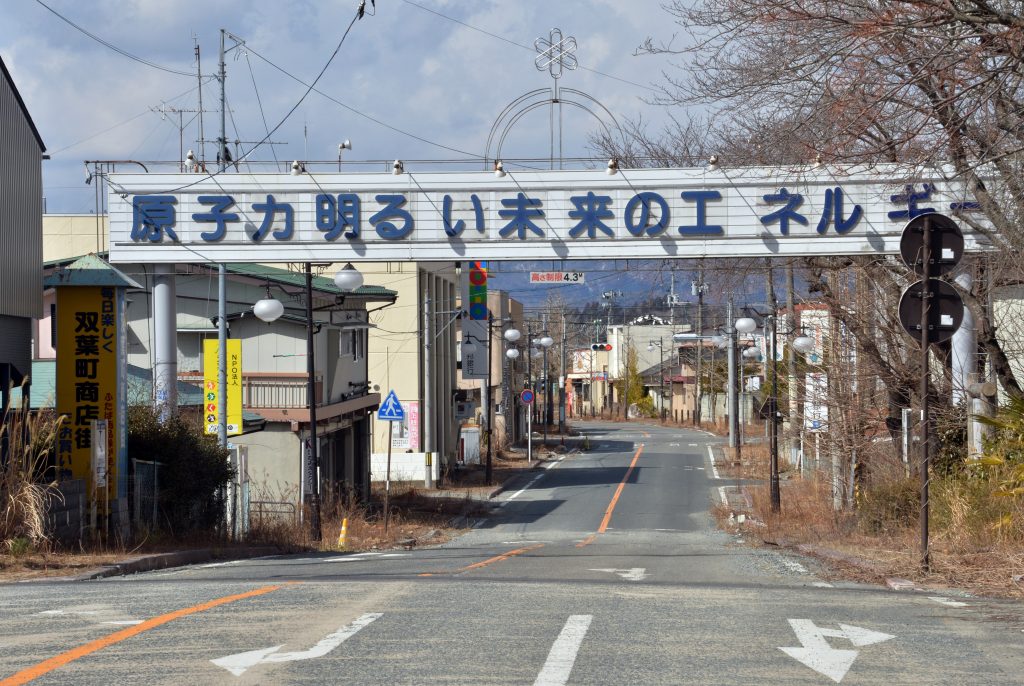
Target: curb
point(181, 558)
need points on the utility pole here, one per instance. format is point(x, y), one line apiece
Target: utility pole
point(312, 464)
point(773, 418)
point(795, 418)
point(488, 470)
point(734, 405)
point(222, 324)
point(202, 138)
point(425, 408)
point(561, 388)
point(698, 388)
point(547, 385)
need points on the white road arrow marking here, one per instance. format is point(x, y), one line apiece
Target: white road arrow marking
point(238, 663)
point(632, 574)
point(816, 653)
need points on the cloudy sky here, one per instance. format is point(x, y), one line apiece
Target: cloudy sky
point(426, 76)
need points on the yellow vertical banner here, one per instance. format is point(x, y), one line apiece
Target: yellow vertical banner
point(212, 396)
point(87, 381)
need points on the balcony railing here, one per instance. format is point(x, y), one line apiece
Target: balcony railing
point(269, 390)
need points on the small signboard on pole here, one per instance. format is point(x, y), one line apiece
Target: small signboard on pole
point(390, 411)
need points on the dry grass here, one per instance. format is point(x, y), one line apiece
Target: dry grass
point(751, 463)
point(415, 519)
point(23, 494)
point(966, 550)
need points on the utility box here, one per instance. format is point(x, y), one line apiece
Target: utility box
point(469, 445)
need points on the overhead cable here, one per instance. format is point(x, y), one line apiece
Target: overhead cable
point(113, 47)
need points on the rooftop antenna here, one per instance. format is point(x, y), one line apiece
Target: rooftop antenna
point(199, 75)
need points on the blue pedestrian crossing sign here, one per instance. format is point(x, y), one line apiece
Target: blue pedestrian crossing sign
point(391, 410)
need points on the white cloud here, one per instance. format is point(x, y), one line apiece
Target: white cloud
point(405, 66)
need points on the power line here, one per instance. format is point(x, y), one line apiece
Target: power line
point(121, 123)
point(520, 45)
point(309, 89)
point(363, 114)
point(113, 47)
point(259, 101)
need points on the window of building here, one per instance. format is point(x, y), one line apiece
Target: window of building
point(346, 344)
point(358, 344)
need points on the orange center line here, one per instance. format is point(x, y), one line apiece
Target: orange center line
point(503, 556)
point(57, 661)
point(586, 541)
point(483, 563)
point(618, 491)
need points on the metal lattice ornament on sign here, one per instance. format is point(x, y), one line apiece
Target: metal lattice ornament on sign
point(555, 53)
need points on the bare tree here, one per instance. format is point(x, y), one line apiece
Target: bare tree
point(930, 84)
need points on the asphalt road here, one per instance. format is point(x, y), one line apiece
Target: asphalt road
point(604, 568)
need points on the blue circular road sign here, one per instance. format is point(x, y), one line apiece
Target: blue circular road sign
point(526, 396)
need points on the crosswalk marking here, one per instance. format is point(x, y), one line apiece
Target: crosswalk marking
point(562, 657)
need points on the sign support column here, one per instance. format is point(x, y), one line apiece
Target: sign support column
point(390, 411)
point(925, 456)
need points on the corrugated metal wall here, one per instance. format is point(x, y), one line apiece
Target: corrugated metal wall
point(16, 342)
point(21, 213)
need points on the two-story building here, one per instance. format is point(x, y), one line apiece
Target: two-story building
point(276, 418)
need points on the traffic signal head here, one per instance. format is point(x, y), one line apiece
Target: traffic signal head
point(601, 346)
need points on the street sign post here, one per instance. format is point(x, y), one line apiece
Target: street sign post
point(390, 411)
point(931, 244)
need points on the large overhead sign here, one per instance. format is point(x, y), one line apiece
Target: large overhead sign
point(650, 213)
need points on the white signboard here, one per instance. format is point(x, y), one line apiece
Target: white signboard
point(556, 215)
point(816, 402)
point(99, 453)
